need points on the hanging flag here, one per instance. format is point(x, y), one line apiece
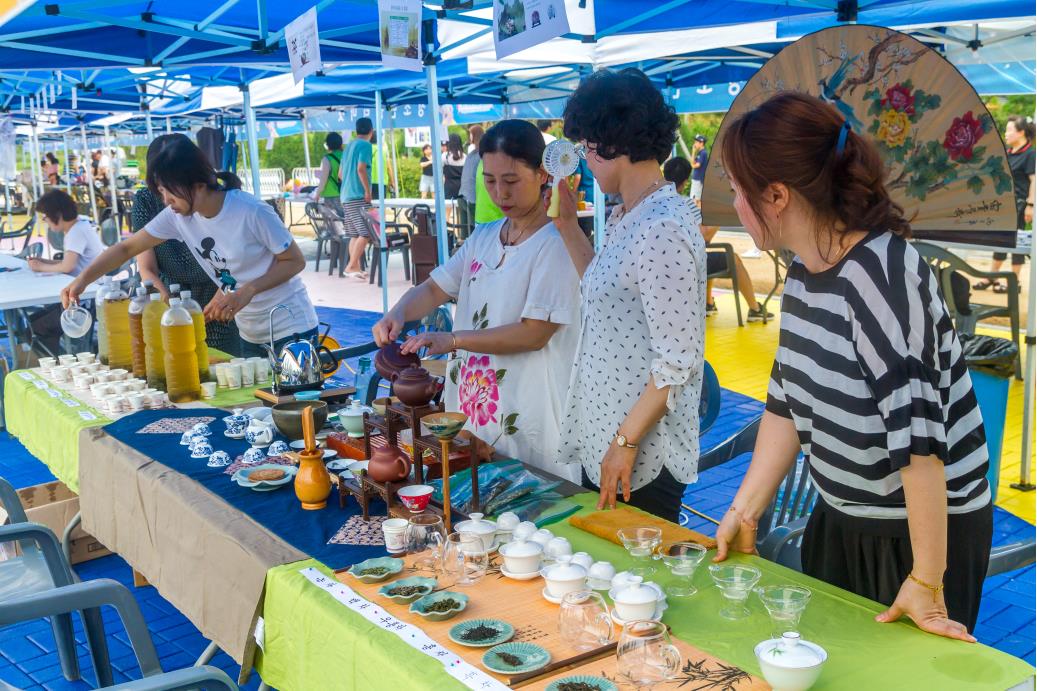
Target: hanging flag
point(521, 24)
point(303, 43)
point(399, 25)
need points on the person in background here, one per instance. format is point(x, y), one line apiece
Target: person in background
point(869, 381)
point(328, 190)
point(427, 185)
point(379, 176)
point(677, 170)
point(453, 167)
point(518, 310)
point(583, 185)
point(356, 195)
point(104, 166)
point(50, 169)
point(544, 126)
point(82, 245)
point(1019, 132)
point(699, 163)
point(632, 416)
point(467, 199)
point(486, 211)
point(237, 237)
point(172, 261)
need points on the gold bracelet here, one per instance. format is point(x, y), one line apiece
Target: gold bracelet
point(934, 589)
point(453, 341)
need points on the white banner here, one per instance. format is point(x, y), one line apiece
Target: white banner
point(399, 26)
point(417, 137)
point(521, 24)
point(303, 45)
point(411, 635)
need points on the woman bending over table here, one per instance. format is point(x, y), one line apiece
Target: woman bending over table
point(517, 305)
point(868, 382)
point(633, 407)
point(238, 240)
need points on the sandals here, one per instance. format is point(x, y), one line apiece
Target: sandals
point(986, 283)
point(1001, 288)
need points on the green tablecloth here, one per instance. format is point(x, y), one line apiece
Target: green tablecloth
point(313, 642)
point(229, 398)
point(48, 428)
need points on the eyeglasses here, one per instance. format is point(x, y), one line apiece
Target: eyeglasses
point(581, 151)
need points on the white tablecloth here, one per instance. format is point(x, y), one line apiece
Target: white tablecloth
point(25, 288)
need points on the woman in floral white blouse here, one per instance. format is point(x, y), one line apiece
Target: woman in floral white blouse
point(633, 406)
point(518, 304)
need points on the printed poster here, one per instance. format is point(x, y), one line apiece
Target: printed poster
point(521, 24)
point(303, 45)
point(399, 25)
point(417, 137)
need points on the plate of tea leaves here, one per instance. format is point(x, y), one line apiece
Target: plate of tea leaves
point(481, 633)
point(515, 658)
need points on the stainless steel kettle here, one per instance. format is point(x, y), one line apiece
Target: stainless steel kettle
point(301, 364)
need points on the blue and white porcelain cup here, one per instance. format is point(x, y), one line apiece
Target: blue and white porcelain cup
point(219, 459)
point(278, 448)
point(201, 450)
point(253, 456)
point(202, 428)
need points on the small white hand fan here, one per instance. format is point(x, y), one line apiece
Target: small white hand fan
point(560, 161)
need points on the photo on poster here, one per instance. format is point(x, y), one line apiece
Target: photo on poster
point(521, 24)
point(303, 43)
point(399, 28)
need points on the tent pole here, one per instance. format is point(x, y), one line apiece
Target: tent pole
point(39, 161)
point(383, 241)
point(169, 125)
point(437, 163)
point(253, 144)
point(1026, 451)
point(111, 180)
point(392, 151)
point(68, 168)
point(306, 149)
point(89, 173)
point(148, 124)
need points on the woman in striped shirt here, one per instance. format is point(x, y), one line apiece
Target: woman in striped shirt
point(868, 382)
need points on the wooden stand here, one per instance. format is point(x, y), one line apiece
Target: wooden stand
point(399, 417)
point(329, 396)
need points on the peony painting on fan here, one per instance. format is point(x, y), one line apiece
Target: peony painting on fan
point(946, 160)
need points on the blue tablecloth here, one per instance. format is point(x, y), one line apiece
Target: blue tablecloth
point(278, 511)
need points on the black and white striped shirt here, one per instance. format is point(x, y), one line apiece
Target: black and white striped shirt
point(871, 371)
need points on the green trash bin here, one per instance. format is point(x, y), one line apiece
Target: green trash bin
point(991, 363)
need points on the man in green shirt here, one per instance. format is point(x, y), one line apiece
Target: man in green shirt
point(485, 210)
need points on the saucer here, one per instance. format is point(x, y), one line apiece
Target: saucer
point(234, 436)
point(550, 598)
point(520, 576)
point(659, 609)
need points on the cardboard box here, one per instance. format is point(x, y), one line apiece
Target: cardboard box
point(53, 504)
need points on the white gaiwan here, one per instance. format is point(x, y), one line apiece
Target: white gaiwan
point(521, 557)
point(564, 577)
point(506, 524)
point(476, 525)
point(790, 664)
point(636, 601)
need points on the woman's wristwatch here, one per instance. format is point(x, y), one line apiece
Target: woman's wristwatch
point(621, 441)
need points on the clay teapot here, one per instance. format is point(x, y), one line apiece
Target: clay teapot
point(415, 387)
point(388, 464)
point(389, 361)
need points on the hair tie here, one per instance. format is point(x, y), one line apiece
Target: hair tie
point(840, 144)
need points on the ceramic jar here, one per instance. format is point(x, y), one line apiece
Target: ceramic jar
point(312, 483)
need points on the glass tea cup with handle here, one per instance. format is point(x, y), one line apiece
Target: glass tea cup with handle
point(583, 620)
point(645, 654)
point(465, 558)
point(76, 320)
point(425, 538)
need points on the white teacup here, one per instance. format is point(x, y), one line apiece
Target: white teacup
point(61, 373)
point(208, 389)
point(156, 399)
point(233, 372)
point(100, 390)
point(117, 374)
point(137, 401)
point(219, 370)
point(82, 381)
point(248, 374)
point(67, 360)
point(48, 363)
point(120, 387)
point(136, 385)
point(113, 403)
point(85, 357)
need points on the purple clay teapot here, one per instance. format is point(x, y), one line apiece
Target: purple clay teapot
point(415, 387)
point(389, 361)
point(388, 464)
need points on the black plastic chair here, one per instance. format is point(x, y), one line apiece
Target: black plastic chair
point(729, 272)
point(397, 239)
point(323, 227)
point(945, 264)
point(24, 232)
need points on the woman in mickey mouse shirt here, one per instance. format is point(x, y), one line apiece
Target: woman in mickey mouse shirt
point(236, 238)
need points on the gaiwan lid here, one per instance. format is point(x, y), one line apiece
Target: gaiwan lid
point(564, 570)
point(791, 652)
point(636, 593)
point(476, 525)
point(521, 548)
point(356, 408)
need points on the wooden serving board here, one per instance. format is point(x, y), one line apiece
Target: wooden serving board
point(699, 670)
point(338, 395)
point(494, 597)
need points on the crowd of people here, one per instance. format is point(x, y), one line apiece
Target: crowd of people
point(589, 363)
